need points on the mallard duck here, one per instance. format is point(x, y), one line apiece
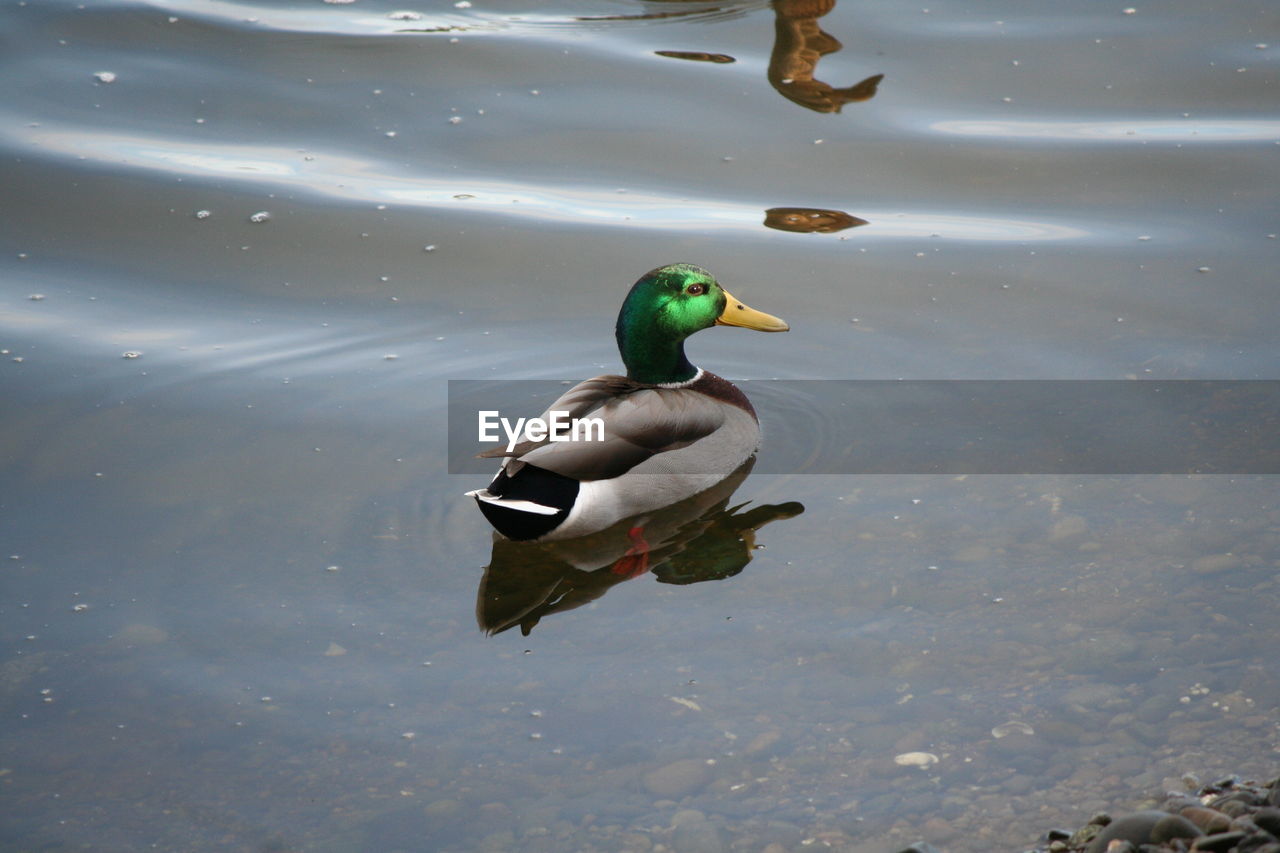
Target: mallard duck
point(670, 429)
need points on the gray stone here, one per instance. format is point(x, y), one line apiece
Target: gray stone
point(780, 832)
point(678, 779)
point(1156, 709)
point(1214, 563)
point(1232, 808)
point(1208, 820)
point(699, 836)
point(1220, 843)
point(1020, 784)
point(1269, 820)
point(1083, 835)
point(1174, 826)
point(1058, 731)
point(1151, 735)
point(1135, 829)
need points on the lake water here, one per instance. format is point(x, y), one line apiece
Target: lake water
point(246, 245)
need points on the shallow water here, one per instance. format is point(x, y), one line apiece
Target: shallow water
point(238, 605)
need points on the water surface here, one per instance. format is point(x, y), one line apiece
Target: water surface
point(246, 245)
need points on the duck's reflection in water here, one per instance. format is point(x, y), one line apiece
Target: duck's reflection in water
point(700, 538)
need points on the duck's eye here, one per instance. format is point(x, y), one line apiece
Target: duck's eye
point(696, 289)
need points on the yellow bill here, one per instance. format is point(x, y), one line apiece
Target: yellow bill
point(738, 313)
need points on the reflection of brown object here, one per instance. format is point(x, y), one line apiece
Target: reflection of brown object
point(803, 8)
point(697, 56)
point(798, 45)
point(806, 220)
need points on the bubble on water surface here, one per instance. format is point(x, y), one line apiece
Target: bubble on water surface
point(132, 353)
point(260, 217)
point(104, 76)
point(203, 214)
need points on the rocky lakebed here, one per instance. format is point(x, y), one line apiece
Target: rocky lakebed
point(1228, 815)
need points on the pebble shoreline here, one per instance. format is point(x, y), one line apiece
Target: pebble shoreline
point(1229, 815)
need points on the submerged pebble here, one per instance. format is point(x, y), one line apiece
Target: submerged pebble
point(1214, 563)
point(678, 778)
point(922, 760)
point(1012, 727)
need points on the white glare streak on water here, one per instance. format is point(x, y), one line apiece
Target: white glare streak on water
point(334, 175)
point(1199, 130)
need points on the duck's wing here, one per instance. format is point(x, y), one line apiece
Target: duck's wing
point(636, 422)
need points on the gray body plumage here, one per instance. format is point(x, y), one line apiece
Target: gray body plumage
point(661, 444)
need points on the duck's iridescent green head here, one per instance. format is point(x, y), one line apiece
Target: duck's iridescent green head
point(668, 305)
